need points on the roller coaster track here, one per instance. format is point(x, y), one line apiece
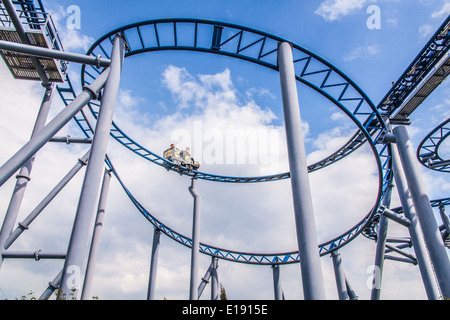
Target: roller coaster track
point(239, 256)
point(250, 45)
point(370, 231)
point(403, 98)
point(260, 48)
point(428, 150)
point(312, 70)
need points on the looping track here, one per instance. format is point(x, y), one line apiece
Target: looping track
point(261, 48)
point(249, 45)
point(428, 150)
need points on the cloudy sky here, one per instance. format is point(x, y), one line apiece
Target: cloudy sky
point(197, 100)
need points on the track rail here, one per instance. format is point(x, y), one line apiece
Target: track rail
point(428, 150)
point(311, 70)
point(433, 51)
point(250, 45)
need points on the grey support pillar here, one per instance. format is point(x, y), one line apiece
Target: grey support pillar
point(194, 283)
point(444, 217)
point(87, 205)
point(154, 264)
point(379, 258)
point(351, 293)
point(311, 269)
point(381, 245)
point(415, 231)
point(24, 175)
point(47, 132)
point(214, 279)
point(340, 276)
point(36, 51)
point(52, 286)
point(25, 224)
point(432, 235)
point(96, 237)
point(277, 288)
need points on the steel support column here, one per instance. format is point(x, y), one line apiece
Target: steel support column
point(194, 283)
point(52, 286)
point(340, 276)
point(89, 275)
point(87, 205)
point(46, 133)
point(278, 291)
point(414, 228)
point(214, 279)
point(24, 174)
point(205, 280)
point(24, 225)
point(432, 235)
point(381, 245)
point(311, 269)
point(444, 217)
point(154, 264)
point(53, 54)
point(351, 293)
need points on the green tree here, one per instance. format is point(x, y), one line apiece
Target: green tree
point(223, 293)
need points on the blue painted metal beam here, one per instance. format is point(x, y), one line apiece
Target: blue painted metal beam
point(428, 150)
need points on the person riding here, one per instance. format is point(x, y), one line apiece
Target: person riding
point(172, 153)
point(181, 158)
point(186, 155)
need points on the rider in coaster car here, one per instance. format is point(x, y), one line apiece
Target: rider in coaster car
point(191, 164)
point(173, 154)
point(181, 158)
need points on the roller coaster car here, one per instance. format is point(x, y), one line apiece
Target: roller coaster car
point(190, 162)
point(181, 159)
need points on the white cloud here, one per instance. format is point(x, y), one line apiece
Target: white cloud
point(425, 30)
point(242, 217)
point(445, 11)
point(216, 115)
point(71, 38)
point(332, 10)
point(362, 52)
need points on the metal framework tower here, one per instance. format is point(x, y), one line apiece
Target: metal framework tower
point(36, 53)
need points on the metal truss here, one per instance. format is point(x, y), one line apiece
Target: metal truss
point(370, 231)
point(436, 48)
point(239, 256)
point(249, 45)
point(428, 150)
point(262, 49)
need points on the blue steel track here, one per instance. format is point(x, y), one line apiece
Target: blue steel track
point(428, 150)
point(311, 70)
point(260, 48)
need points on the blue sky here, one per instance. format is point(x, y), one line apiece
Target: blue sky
point(164, 92)
point(338, 33)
